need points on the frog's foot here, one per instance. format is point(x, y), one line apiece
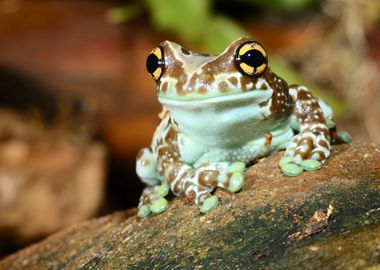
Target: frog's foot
point(307, 151)
point(233, 177)
point(202, 180)
point(221, 174)
point(152, 200)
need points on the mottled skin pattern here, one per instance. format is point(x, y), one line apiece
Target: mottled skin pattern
point(205, 137)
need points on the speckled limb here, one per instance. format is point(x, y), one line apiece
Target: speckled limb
point(311, 146)
point(195, 183)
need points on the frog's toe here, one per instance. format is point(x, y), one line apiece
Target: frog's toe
point(144, 211)
point(159, 206)
point(236, 182)
point(311, 165)
point(285, 160)
point(291, 169)
point(162, 190)
point(209, 204)
point(330, 123)
point(236, 167)
point(344, 136)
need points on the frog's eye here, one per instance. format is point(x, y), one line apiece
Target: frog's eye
point(251, 59)
point(155, 63)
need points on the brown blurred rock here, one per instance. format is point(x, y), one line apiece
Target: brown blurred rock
point(328, 219)
point(50, 177)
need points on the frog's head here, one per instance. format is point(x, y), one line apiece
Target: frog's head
point(181, 74)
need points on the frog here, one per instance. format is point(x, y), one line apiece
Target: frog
point(220, 114)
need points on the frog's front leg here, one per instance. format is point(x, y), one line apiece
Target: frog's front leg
point(310, 148)
point(195, 183)
point(152, 198)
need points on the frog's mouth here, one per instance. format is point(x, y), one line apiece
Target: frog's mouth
point(227, 100)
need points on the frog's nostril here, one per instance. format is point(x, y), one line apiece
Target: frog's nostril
point(184, 51)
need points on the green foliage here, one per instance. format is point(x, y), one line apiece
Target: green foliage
point(124, 13)
point(181, 17)
point(220, 32)
point(194, 22)
point(283, 5)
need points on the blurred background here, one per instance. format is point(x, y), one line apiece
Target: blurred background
point(76, 103)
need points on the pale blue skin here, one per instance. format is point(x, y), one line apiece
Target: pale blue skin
point(227, 128)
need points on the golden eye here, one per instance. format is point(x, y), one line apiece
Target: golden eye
point(155, 63)
point(251, 59)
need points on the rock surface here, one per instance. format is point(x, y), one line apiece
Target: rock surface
point(329, 219)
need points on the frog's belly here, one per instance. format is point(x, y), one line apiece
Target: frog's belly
point(251, 150)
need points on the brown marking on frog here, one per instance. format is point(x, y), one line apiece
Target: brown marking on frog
point(208, 178)
point(321, 155)
point(233, 80)
point(323, 143)
point(166, 154)
point(223, 87)
point(305, 141)
point(268, 139)
point(246, 80)
point(204, 79)
point(282, 102)
point(171, 139)
point(303, 95)
point(223, 63)
point(202, 90)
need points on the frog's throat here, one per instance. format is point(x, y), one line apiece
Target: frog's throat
point(221, 120)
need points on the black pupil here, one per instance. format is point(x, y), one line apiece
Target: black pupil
point(253, 58)
point(152, 63)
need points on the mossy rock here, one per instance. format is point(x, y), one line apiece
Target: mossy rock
point(328, 219)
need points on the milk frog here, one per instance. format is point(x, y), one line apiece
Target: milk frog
point(220, 114)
